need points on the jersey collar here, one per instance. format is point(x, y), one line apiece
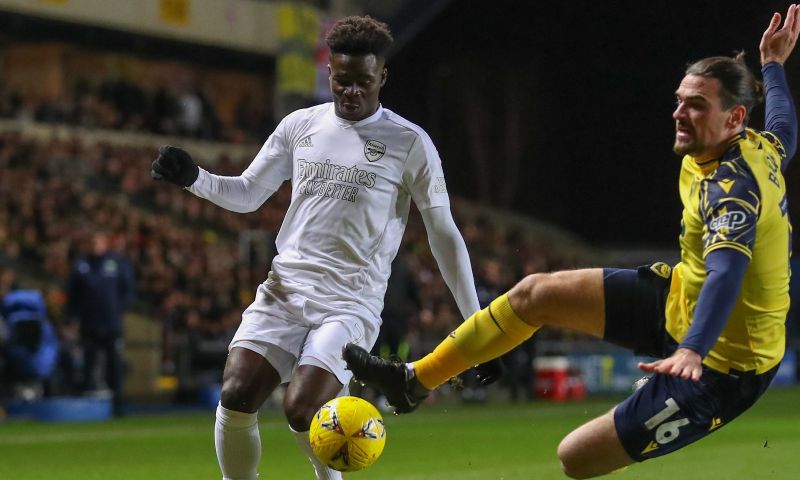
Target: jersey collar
point(352, 124)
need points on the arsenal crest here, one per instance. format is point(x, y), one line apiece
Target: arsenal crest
point(374, 150)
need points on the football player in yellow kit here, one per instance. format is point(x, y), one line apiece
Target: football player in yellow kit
point(715, 320)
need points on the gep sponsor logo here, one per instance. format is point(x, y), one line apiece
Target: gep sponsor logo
point(730, 221)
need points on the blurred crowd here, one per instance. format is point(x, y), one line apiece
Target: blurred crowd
point(195, 267)
point(183, 249)
point(119, 104)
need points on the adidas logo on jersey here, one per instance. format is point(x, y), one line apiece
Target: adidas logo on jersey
point(305, 143)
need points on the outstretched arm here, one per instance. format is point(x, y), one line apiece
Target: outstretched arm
point(450, 252)
point(775, 47)
point(242, 194)
point(239, 194)
point(245, 193)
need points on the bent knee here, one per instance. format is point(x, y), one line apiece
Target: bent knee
point(299, 414)
point(238, 395)
point(528, 295)
point(525, 288)
point(570, 459)
point(580, 459)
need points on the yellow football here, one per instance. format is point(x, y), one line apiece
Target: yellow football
point(347, 434)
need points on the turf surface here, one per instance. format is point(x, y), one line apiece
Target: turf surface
point(498, 441)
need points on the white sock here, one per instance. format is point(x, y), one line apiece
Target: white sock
point(238, 444)
point(322, 470)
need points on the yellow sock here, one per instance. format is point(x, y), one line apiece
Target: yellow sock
point(444, 362)
point(485, 335)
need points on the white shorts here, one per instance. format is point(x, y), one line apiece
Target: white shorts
point(289, 329)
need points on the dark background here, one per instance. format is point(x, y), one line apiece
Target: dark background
point(562, 110)
point(557, 110)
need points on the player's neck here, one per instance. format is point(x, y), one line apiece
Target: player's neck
point(716, 152)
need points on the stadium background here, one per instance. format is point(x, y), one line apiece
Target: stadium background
point(552, 120)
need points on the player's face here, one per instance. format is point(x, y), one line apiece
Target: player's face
point(702, 126)
point(356, 81)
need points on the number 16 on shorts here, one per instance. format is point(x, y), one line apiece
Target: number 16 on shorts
point(665, 431)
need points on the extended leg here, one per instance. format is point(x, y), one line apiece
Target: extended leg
point(571, 299)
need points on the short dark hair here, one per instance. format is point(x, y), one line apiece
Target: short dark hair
point(738, 85)
point(359, 36)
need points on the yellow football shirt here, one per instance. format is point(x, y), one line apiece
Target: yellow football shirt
point(739, 202)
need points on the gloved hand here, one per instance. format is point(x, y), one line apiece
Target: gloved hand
point(490, 372)
point(175, 165)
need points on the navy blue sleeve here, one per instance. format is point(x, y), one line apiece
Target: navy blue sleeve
point(729, 206)
point(725, 270)
point(781, 118)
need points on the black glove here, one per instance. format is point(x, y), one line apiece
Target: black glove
point(490, 372)
point(175, 165)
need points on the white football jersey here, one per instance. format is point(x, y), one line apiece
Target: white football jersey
point(352, 184)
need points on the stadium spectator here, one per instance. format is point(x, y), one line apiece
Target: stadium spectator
point(715, 320)
point(8, 280)
point(31, 350)
point(99, 291)
point(119, 103)
point(341, 231)
point(190, 119)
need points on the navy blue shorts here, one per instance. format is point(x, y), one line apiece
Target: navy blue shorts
point(668, 412)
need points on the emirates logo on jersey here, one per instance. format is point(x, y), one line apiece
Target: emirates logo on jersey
point(374, 150)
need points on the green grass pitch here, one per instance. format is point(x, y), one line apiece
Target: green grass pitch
point(495, 441)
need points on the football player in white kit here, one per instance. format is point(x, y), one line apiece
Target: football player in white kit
point(354, 168)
